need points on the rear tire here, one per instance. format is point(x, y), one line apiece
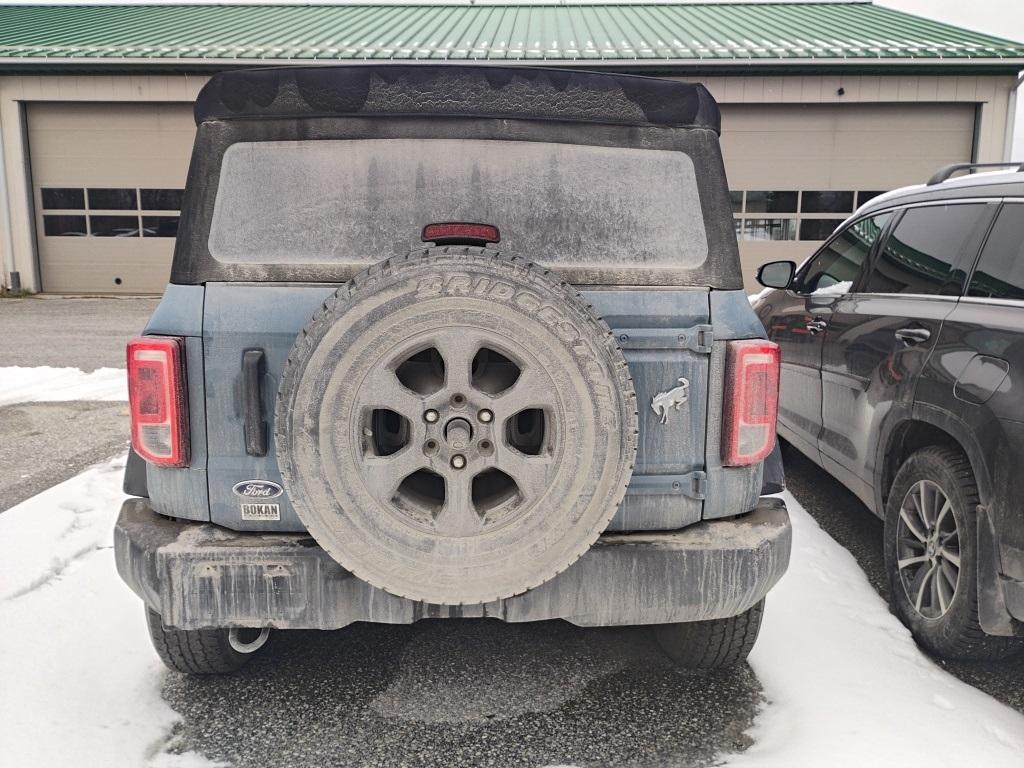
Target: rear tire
point(948, 627)
point(195, 651)
point(711, 644)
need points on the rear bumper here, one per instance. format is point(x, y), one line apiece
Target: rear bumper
point(199, 575)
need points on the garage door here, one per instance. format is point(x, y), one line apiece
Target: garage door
point(796, 171)
point(107, 180)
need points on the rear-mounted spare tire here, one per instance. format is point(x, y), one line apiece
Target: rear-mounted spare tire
point(456, 426)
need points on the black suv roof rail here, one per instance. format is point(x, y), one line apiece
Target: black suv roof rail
point(946, 171)
point(455, 90)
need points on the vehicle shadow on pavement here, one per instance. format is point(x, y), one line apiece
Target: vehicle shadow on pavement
point(849, 522)
point(465, 692)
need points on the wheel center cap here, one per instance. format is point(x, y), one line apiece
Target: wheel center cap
point(458, 434)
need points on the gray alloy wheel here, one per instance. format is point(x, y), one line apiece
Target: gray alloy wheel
point(931, 555)
point(474, 409)
point(928, 549)
point(456, 426)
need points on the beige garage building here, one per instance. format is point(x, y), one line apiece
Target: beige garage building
point(823, 105)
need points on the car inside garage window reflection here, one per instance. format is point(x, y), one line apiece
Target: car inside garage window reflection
point(114, 226)
point(769, 229)
point(159, 226)
point(102, 216)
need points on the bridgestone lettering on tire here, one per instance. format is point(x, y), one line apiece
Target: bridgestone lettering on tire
point(456, 426)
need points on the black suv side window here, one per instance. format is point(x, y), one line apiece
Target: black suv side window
point(837, 266)
point(929, 251)
point(1000, 272)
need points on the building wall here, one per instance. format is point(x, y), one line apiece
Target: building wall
point(991, 94)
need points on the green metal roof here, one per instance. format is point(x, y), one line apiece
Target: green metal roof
point(692, 33)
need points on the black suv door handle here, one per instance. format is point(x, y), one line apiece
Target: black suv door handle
point(817, 326)
point(912, 336)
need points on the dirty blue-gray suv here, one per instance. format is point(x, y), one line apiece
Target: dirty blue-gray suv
point(452, 341)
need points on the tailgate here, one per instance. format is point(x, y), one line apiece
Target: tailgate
point(664, 334)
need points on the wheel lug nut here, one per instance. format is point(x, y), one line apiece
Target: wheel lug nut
point(485, 416)
point(458, 461)
point(430, 416)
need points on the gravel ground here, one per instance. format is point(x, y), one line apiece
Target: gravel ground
point(42, 444)
point(46, 443)
point(854, 526)
point(70, 332)
point(464, 692)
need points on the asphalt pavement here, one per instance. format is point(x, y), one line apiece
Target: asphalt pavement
point(86, 333)
point(42, 444)
point(464, 692)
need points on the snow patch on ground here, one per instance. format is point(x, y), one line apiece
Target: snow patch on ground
point(847, 686)
point(79, 681)
point(47, 384)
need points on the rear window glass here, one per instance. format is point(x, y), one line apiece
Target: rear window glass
point(328, 201)
point(1000, 273)
point(928, 250)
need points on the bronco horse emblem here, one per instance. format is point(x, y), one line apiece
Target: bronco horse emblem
point(674, 398)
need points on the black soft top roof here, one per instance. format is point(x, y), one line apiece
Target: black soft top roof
point(531, 93)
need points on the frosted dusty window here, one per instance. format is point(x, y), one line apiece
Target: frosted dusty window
point(359, 201)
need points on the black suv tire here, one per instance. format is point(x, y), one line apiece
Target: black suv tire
point(711, 644)
point(953, 630)
point(195, 651)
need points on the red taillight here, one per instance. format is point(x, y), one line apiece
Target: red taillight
point(156, 395)
point(446, 233)
point(751, 401)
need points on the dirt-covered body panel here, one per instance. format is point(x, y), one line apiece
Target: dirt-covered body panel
point(535, 422)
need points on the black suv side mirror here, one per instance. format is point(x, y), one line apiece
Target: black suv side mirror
point(776, 274)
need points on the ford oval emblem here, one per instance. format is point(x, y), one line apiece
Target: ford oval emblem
point(257, 489)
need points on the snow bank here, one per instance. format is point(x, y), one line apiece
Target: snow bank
point(847, 686)
point(79, 681)
point(43, 383)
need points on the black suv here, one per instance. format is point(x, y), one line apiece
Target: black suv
point(902, 343)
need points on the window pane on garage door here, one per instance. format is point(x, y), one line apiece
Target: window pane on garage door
point(110, 165)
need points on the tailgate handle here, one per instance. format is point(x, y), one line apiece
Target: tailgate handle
point(255, 427)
